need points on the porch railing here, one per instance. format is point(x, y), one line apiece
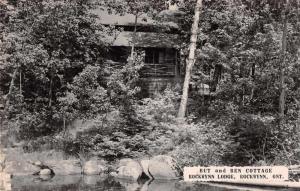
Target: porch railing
point(154, 69)
point(165, 69)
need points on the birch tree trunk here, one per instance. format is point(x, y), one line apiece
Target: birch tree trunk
point(20, 85)
point(50, 88)
point(282, 65)
point(253, 79)
point(134, 36)
point(190, 61)
point(11, 87)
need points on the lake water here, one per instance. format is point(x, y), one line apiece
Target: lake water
point(97, 183)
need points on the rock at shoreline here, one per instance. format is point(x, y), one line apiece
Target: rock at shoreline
point(20, 168)
point(45, 172)
point(124, 162)
point(129, 169)
point(2, 158)
point(160, 167)
point(164, 167)
point(145, 167)
point(65, 167)
point(94, 167)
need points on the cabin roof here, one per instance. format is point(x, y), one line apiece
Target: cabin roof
point(129, 19)
point(147, 39)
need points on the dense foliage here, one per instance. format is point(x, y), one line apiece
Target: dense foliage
point(53, 74)
point(240, 56)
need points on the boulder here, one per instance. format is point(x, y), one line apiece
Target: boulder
point(145, 167)
point(37, 163)
point(45, 172)
point(164, 167)
point(5, 176)
point(65, 167)
point(20, 168)
point(124, 162)
point(2, 160)
point(2, 157)
point(113, 174)
point(126, 172)
point(131, 170)
point(5, 181)
point(94, 167)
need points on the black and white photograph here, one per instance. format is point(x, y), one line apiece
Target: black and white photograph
point(149, 95)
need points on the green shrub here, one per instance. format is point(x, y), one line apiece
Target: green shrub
point(202, 143)
point(261, 138)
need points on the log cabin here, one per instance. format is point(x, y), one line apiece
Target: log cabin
point(160, 43)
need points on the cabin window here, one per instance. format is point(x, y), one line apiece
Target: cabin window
point(119, 54)
point(160, 62)
point(152, 56)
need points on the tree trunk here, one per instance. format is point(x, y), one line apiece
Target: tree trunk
point(190, 61)
point(282, 66)
point(50, 89)
point(64, 125)
point(20, 88)
point(134, 36)
point(253, 80)
point(11, 87)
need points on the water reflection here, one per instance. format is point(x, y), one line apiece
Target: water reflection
point(98, 183)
